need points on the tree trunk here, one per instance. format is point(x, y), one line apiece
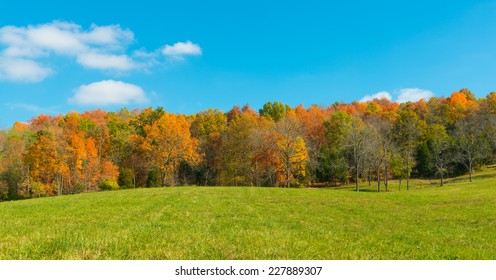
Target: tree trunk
point(378, 179)
point(288, 174)
point(369, 177)
point(356, 178)
point(408, 173)
point(442, 182)
point(386, 178)
point(470, 171)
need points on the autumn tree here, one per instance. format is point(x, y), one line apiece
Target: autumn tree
point(264, 154)
point(237, 149)
point(168, 141)
point(382, 148)
point(472, 146)
point(16, 172)
point(313, 132)
point(333, 164)
point(291, 149)
point(407, 135)
point(208, 126)
point(275, 110)
point(439, 143)
point(358, 147)
point(459, 105)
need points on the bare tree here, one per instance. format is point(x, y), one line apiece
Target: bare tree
point(439, 145)
point(358, 148)
point(382, 147)
point(471, 145)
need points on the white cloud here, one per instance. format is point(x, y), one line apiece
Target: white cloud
point(61, 39)
point(98, 47)
point(379, 95)
point(405, 95)
point(22, 70)
point(111, 35)
point(108, 92)
point(26, 52)
point(32, 108)
point(180, 49)
point(413, 95)
point(65, 38)
point(106, 61)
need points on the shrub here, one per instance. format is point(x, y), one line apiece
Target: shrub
point(154, 179)
point(108, 184)
point(126, 178)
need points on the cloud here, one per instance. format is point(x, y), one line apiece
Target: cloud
point(181, 49)
point(22, 70)
point(98, 47)
point(32, 108)
point(106, 61)
point(108, 92)
point(413, 95)
point(404, 95)
point(61, 39)
point(64, 38)
point(111, 35)
point(379, 95)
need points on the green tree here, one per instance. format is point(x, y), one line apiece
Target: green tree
point(333, 164)
point(275, 111)
point(126, 178)
point(408, 131)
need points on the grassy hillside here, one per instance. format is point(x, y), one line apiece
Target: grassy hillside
point(457, 221)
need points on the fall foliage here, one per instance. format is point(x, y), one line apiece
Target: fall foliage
point(275, 146)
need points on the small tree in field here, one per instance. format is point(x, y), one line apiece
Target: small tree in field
point(439, 143)
point(407, 134)
point(359, 147)
point(471, 144)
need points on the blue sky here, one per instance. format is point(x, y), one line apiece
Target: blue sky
point(187, 56)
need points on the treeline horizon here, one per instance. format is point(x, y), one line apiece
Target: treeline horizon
point(275, 146)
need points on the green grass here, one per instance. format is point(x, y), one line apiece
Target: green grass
point(457, 221)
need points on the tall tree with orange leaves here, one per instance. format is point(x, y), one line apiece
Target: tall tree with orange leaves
point(168, 142)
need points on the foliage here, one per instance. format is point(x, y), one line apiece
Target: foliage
point(275, 146)
point(126, 178)
point(108, 184)
point(275, 110)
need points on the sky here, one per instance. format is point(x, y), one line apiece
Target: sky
point(188, 56)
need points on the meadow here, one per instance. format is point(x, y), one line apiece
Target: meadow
point(456, 221)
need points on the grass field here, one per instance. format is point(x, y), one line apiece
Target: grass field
point(457, 221)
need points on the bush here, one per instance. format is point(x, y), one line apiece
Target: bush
point(108, 184)
point(39, 189)
point(154, 179)
point(126, 178)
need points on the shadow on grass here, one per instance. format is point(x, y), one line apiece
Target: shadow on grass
point(474, 178)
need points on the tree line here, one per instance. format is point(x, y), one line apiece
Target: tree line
point(278, 145)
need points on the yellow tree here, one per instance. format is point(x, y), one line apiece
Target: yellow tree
point(168, 142)
point(291, 149)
